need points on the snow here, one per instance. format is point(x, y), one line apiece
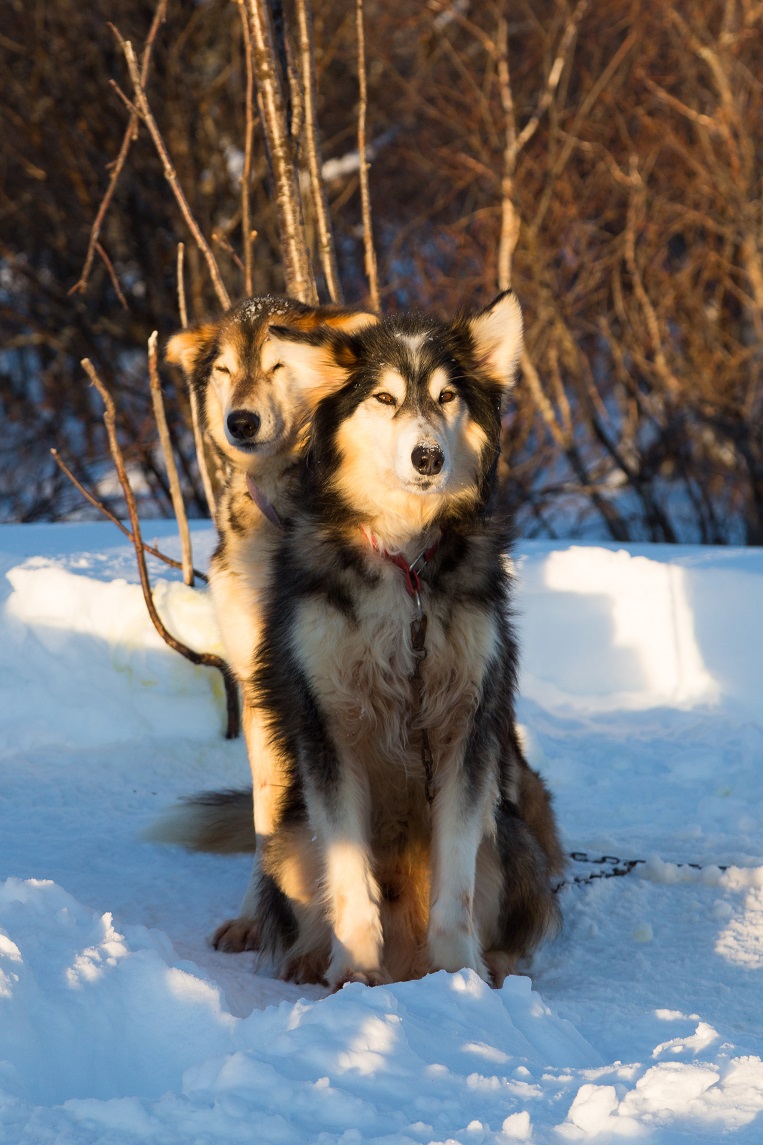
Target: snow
point(642, 671)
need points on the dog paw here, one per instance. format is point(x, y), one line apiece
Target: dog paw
point(499, 965)
point(454, 952)
point(235, 935)
point(304, 970)
point(377, 976)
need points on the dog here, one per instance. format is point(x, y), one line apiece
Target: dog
point(412, 835)
point(253, 409)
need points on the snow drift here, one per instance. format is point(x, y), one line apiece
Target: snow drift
point(641, 704)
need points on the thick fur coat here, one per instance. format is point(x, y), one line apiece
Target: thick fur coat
point(253, 409)
point(383, 864)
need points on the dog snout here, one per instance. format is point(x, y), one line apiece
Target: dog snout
point(428, 459)
point(243, 425)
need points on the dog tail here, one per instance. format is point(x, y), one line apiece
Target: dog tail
point(221, 822)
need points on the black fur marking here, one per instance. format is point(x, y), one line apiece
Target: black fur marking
point(529, 910)
point(320, 559)
point(281, 929)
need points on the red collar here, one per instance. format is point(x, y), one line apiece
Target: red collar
point(412, 570)
point(262, 503)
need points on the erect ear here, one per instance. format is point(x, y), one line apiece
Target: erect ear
point(337, 317)
point(497, 334)
point(348, 320)
point(185, 349)
point(319, 360)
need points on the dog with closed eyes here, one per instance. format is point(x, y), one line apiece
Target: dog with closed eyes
point(254, 409)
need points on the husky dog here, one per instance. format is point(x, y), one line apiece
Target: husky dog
point(254, 409)
point(412, 835)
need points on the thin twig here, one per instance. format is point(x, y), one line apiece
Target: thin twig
point(221, 241)
point(291, 227)
point(115, 520)
point(206, 658)
point(170, 174)
point(178, 505)
point(246, 174)
point(131, 133)
point(326, 245)
point(365, 195)
point(509, 216)
point(542, 404)
point(112, 274)
point(198, 436)
point(554, 76)
point(182, 308)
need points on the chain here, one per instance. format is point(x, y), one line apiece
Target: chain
point(618, 868)
point(418, 638)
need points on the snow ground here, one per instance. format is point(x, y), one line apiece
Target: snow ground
point(641, 704)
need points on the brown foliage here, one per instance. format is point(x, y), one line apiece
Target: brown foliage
point(621, 156)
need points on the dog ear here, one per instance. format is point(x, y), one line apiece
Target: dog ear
point(347, 320)
point(337, 317)
point(497, 335)
point(319, 359)
point(186, 348)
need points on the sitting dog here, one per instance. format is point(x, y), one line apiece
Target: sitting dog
point(412, 835)
point(254, 409)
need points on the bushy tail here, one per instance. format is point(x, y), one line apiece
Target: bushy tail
point(217, 821)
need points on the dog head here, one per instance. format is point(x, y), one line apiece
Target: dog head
point(411, 432)
point(252, 403)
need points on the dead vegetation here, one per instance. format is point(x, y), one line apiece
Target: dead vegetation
point(603, 158)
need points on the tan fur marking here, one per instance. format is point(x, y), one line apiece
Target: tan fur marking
point(185, 348)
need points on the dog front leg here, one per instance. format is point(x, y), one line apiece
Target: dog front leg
point(350, 889)
point(241, 933)
point(459, 814)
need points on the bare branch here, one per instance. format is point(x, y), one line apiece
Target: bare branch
point(365, 195)
point(131, 133)
point(169, 461)
point(542, 404)
point(509, 217)
point(115, 520)
point(198, 436)
point(296, 258)
point(246, 174)
point(170, 174)
point(313, 149)
point(555, 74)
point(182, 308)
point(112, 275)
point(206, 658)
point(635, 208)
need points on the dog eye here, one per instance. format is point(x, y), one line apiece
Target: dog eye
point(447, 396)
point(222, 370)
point(278, 366)
point(385, 398)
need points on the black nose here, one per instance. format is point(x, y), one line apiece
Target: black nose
point(243, 425)
point(428, 459)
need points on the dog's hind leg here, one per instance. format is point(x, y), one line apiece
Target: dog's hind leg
point(268, 784)
point(521, 909)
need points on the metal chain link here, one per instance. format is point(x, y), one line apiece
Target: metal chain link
point(619, 868)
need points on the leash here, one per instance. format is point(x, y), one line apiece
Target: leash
point(265, 507)
point(618, 868)
point(413, 584)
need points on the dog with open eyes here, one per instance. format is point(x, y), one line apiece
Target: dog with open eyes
point(411, 834)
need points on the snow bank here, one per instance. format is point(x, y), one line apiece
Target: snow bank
point(645, 627)
point(641, 682)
